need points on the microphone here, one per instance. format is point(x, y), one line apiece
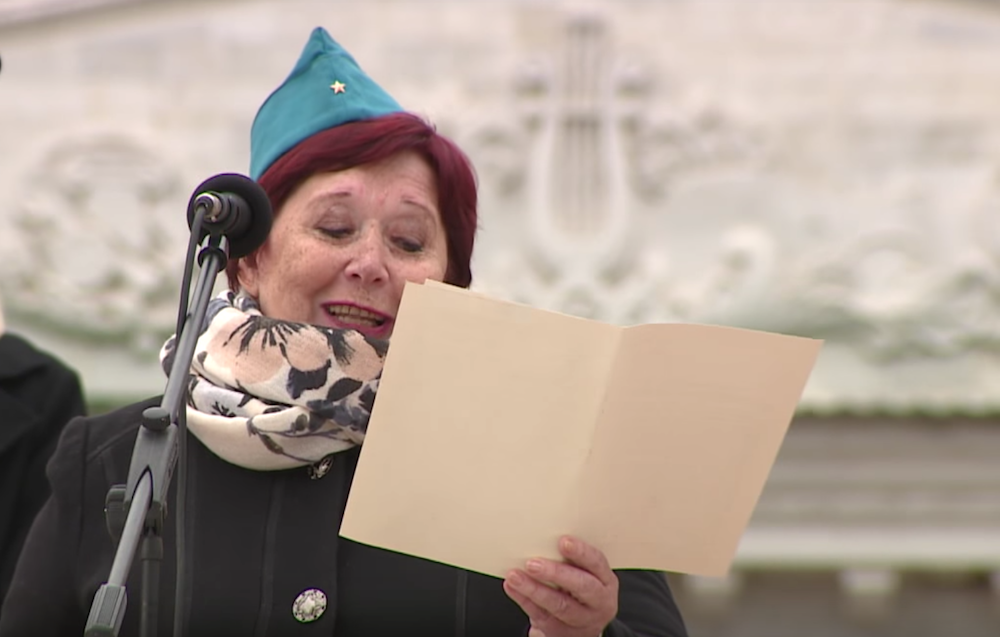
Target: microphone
point(235, 207)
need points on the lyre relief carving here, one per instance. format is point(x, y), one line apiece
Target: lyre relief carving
point(579, 252)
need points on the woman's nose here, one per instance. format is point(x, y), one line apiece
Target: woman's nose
point(367, 262)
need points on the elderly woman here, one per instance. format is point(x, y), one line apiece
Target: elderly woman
point(367, 197)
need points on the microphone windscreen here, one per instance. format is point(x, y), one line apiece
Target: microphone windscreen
point(258, 209)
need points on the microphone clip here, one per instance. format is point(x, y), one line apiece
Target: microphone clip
point(222, 215)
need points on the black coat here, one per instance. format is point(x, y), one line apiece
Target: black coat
point(38, 395)
point(255, 541)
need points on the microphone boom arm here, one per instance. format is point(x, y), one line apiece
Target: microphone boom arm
point(137, 511)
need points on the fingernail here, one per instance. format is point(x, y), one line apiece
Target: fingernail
point(535, 566)
point(569, 545)
point(515, 578)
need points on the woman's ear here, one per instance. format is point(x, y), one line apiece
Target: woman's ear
point(246, 274)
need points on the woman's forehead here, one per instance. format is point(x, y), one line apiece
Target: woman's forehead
point(410, 179)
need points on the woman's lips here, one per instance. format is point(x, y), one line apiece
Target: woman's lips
point(351, 316)
point(373, 331)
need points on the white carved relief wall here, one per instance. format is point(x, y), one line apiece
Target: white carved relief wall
point(840, 186)
point(821, 168)
point(91, 241)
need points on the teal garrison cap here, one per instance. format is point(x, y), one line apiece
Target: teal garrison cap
point(325, 89)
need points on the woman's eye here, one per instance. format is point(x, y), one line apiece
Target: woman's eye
point(336, 233)
point(409, 245)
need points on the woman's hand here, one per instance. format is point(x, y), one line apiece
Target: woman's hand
point(575, 598)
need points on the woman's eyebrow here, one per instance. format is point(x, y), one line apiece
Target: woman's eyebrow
point(332, 195)
point(337, 195)
point(429, 210)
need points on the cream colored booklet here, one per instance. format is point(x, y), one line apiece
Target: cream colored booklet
point(499, 427)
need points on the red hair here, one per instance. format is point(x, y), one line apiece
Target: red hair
point(372, 140)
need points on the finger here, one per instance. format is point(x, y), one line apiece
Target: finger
point(582, 585)
point(535, 613)
point(550, 601)
point(589, 558)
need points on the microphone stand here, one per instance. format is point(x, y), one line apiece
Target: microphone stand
point(136, 511)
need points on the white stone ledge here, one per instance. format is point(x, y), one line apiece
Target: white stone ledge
point(958, 549)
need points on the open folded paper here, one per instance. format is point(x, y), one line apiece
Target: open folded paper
point(499, 427)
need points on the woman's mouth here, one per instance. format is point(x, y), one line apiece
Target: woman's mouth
point(354, 316)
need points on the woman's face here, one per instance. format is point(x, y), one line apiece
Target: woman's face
point(345, 243)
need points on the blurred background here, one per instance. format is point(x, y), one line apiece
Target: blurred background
point(815, 167)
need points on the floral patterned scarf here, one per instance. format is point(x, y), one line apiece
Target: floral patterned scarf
point(267, 394)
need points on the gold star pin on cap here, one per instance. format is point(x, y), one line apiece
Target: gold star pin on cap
point(338, 87)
